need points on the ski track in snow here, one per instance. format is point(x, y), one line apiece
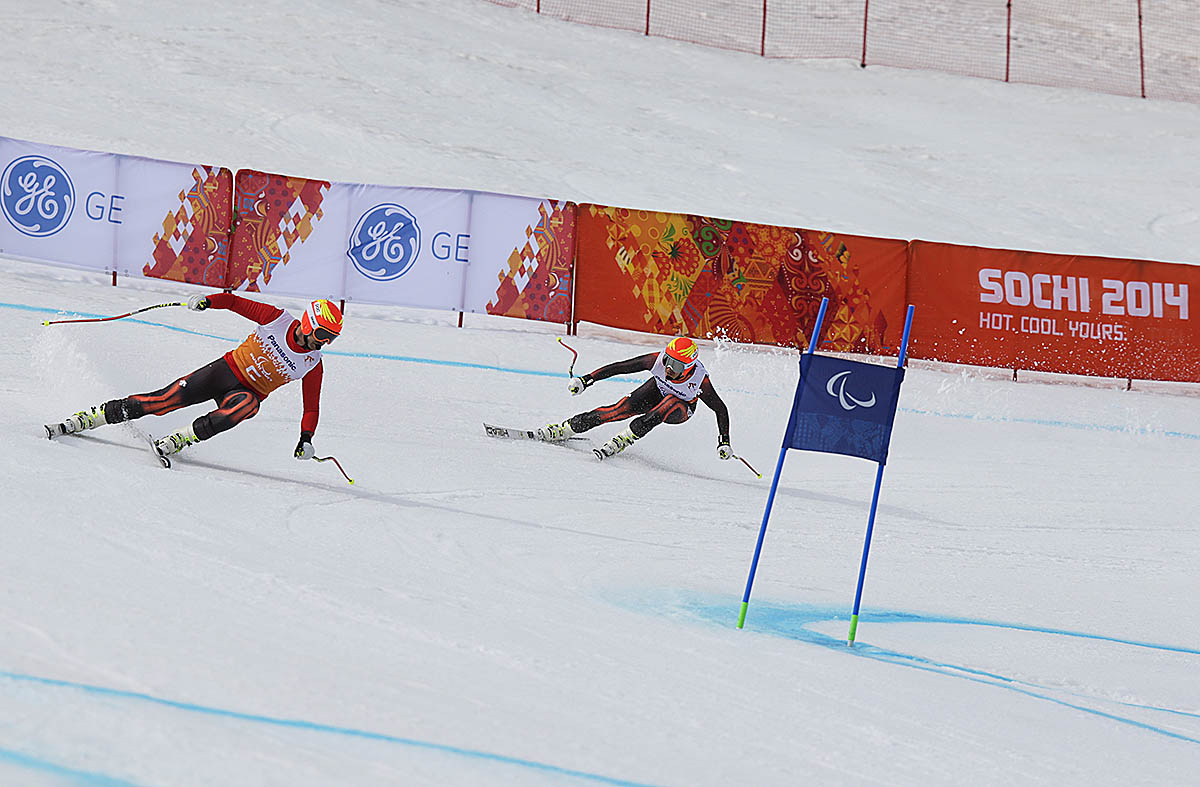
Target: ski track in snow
point(792, 622)
point(807, 625)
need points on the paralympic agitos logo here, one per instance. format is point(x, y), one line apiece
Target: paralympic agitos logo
point(836, 387)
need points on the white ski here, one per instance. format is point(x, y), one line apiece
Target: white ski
point(521, 434)
point(60, 430)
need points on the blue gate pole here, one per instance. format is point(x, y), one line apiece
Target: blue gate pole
point(787, 437)
point(862, 569)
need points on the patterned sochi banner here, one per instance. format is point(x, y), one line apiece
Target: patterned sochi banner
point(670, 273)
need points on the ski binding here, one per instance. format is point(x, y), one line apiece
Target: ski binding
point(163, 459)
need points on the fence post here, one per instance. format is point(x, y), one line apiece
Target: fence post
point(762, 47)
point(573, 324)
point(866, 11)
point(647, 17)
point(1141, 50)
point(1008, 42)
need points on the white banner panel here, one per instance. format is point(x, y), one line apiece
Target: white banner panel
point(373, 244)
point(59, 205)
point(151, 205)
point(522, 257)
point(501, 227)
point(406, 246)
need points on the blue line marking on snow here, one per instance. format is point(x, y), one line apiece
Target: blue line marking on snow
point(309, 726)
point(1051, 422)
point(377, 356)
point(793, 622)
point(630, 378)
point(77, 776)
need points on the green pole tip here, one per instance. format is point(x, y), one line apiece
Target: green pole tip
point(742, 615)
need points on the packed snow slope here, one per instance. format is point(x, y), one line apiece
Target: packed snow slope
point(474, 611)
point(481, 611)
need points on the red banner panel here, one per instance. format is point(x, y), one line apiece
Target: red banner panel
point(670, 273)
point(274, 213)
point(1054, 313)
point(194, 244)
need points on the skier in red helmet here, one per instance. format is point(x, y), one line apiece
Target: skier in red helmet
point(280, 350)
point(669, 396)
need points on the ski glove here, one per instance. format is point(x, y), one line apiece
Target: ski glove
point(577, 384)
point(723, 449)
point(304, 448)
point(198, 303)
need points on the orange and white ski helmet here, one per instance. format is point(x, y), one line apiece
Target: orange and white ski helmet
point(322, 320)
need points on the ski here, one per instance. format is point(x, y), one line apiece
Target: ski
point(59, 430)
point(521, 434)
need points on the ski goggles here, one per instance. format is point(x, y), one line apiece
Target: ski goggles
point(675, 367)
point(324, 335)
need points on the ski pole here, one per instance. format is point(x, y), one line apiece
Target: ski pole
point(336, 462)
point(117, 317)
point(747, 464)
point(574, 356)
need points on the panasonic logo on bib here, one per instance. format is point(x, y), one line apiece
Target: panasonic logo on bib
point(282, 354)
point(836, 387)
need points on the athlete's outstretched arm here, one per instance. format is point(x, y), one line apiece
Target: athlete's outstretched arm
point(261, 313)
point(642, 363)
point(709, 396)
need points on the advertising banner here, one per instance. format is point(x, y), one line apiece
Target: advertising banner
point(106, 212)
point(375, 244)
point(178, 226)
point(1055, 313)
point(671, 273)
point(60, 205)
point(276, 216)
point(522, 258)
point(405, 246)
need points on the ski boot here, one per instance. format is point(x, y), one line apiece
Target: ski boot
point(175, 442)
point(80, 422)
point(555, 433)
point(616, 445)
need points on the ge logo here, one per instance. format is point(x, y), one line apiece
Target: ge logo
point(385, 243)
point(836, 387)
point(37, 196)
